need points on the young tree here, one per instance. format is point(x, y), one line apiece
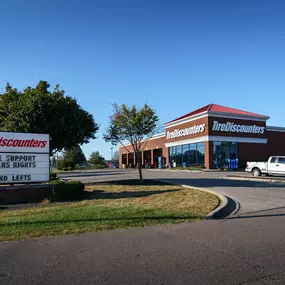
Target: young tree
point(116, 156)
point(132, 125)
point(38, 110)
point(96, 158)
point(75, 154)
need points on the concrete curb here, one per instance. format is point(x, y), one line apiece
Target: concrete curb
point(223, 199)
point(265, 180)
point(175, 170)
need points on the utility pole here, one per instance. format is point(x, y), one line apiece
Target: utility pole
point(111, 154)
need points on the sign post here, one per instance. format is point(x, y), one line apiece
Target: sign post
point(24, 158)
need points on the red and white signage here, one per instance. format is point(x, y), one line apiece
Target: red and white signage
point(24, 142)
point(177, 133)
point(236, 128)
point(24, 157)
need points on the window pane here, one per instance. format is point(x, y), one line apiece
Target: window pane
point(281, 160)
point(193, 154)
point(170, 152)
point(233, 155)
point(273, 159)
point(179, 155)
point(226, 154)
point(200, 154)
point(186, 154)
point(217, 148)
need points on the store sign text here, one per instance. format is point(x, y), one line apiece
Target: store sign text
point(177, 133)
point(237, 128)
point(24, 157)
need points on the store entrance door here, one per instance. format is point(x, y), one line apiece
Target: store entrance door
point(226, 155)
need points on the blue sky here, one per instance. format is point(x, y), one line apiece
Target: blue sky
point(176, 55)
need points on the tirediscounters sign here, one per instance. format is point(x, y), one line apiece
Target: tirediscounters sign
point(236, 128)
point(24, 157)
point(177, 133)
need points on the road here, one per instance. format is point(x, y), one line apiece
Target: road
point(246, 249)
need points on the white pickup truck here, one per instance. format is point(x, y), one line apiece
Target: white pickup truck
point(274, 166)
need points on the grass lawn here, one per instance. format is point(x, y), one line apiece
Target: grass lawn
point(109, 206)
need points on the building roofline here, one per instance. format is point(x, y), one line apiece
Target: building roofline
point(220, 110)
point(275, 129)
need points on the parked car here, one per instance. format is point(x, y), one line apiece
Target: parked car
point(274, 166)
point(112, 165)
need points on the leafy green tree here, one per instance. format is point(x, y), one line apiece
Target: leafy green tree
point(38, 110)
point(132, 125)
point(75, 154)
point(96, 158)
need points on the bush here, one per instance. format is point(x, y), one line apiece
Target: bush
point(53, 176)
point(95, 166)
point(196, 167)
point(67, 190)
point(70, 168)
point(80, 184)
point(65, 164)
point(98, 166)
point(180, 167)
point(55, 182)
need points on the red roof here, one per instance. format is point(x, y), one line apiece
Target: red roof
point(218, 109)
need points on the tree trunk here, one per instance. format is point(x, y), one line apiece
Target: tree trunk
point(138, 158)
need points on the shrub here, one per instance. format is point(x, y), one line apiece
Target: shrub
point(55, 182)
point(53, 176)
point(65, 164)
point(180, 167)
point(67, 190)
point(99, 166)
point(196, 167)
point(79, 184)
point(70, 168)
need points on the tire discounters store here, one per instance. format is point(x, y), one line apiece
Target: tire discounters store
point(211, 136)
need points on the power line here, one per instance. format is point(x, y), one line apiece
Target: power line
point(239, 18)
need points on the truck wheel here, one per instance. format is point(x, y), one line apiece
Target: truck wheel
point(256, 172)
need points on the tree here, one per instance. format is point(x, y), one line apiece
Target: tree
point(96, 158)
point(116, 156)
point(37, 110)
point(75, 154)
point(132, 125)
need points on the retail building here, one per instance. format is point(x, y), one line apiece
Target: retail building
point(211, 136)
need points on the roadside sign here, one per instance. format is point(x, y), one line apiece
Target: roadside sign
point(24, 158)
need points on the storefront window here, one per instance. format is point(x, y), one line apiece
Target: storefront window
point(200, 153)
point(193, 154)
point(226, 155)
point(187, 155)
point(172, 155)
point(179, 155)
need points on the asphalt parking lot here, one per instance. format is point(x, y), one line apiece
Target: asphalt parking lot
point(251, 195)
point(245, 249)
